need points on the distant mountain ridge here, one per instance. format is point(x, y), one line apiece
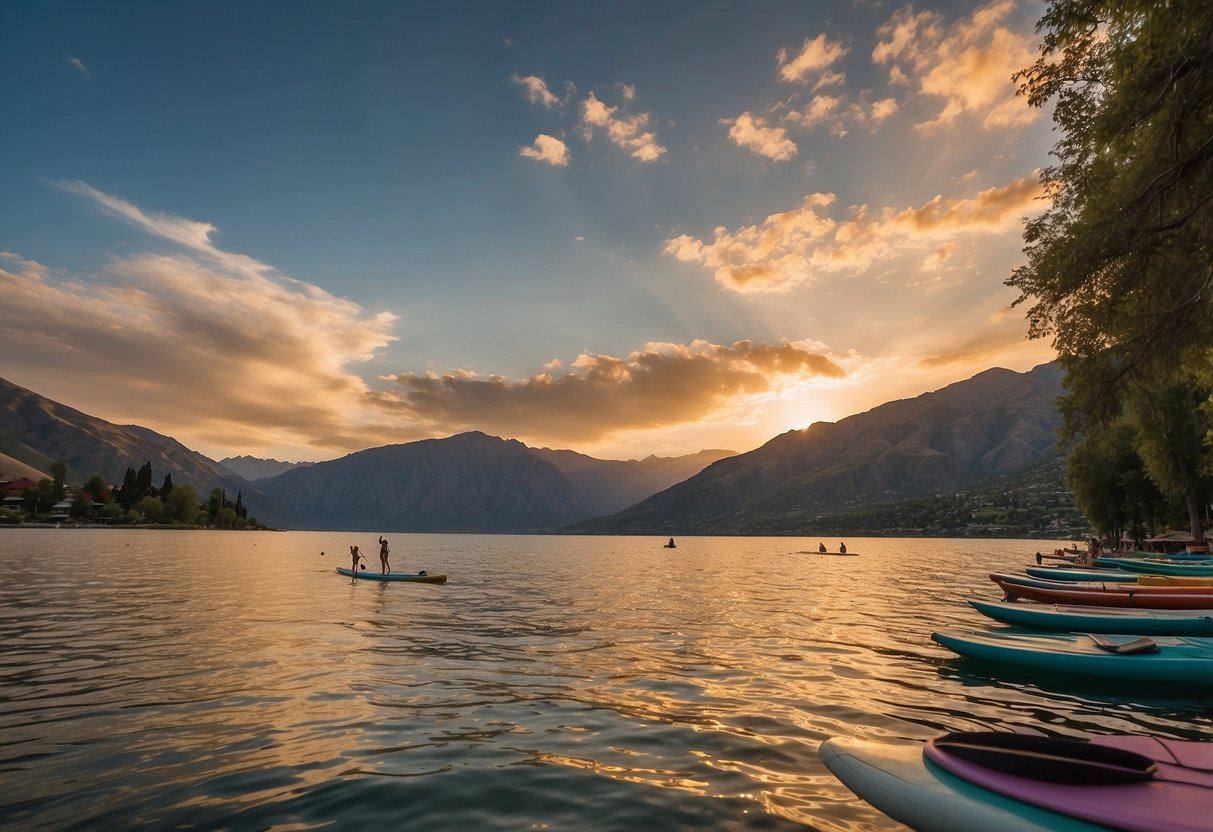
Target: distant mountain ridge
point(470, 482)
point(254, 468)
point(995, 423)
point(38, 431)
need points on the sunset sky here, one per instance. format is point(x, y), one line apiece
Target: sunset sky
point(297, 230)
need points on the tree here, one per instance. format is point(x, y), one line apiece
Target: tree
point(59, 472)
point(167, 487)
point(97, 488)
point(182, 506)
point(128, 492)
point(1120, 267)
point(151, 509)
point(143, 481)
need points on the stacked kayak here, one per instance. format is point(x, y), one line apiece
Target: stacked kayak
point(991, 781)
point(367, 574)
point(1087, 619)
point(1195, 569)
point(1186, 660)
point(1055, 573)
point(1100, 594)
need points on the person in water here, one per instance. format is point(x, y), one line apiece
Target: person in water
point(383, 552)
point(821, 547)
point(842, 548)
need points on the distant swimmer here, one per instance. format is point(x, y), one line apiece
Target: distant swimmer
point(670, 545)
point(842, 548)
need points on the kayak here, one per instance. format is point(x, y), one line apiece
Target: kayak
point(1173, 580)
point(1187, 660)
point(1160, 567)
point(416, 577)
point(1145, 597)
point(830, 554)
point(1054, 573)
point(1000, 781)
point(1099, 619)
point(1100, 586)
point(898, 780)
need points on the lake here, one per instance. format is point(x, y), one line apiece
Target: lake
point(234, 680)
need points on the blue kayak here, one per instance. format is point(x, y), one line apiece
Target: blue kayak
point(1129, 620)
point(1156, 659)
point(416, 577)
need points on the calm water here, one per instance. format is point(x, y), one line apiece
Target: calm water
point(233, 680)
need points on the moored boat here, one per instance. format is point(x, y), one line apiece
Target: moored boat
point(1088, 619)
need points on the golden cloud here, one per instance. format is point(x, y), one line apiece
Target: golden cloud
point(548, 149)
point(626, 132)
point(789, 248)
point(814, 58)
point(659, 386)
point(772, 142)
point(968, 64)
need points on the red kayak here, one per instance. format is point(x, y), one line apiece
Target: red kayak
point(1129, 597)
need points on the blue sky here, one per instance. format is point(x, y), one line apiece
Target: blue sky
point(302, 229)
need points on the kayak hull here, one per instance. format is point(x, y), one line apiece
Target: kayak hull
point(366, 574)
point(1099, 619)
point(896, 779)
point(1183, 660)
point(1054, 573)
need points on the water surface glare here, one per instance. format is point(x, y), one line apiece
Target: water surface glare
point(234, 680)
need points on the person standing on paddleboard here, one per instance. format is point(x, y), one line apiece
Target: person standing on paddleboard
point(355, 555)
point(383, 552)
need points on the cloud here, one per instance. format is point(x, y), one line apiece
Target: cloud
point(548, 149)
point(202, 345)
point(792, 247)
point(188, 233)
point(78, 64)
point(537, 91)
point(772, 142)
point(623, 131)
point(661, 385)
point(968, 64)
point(814, 59)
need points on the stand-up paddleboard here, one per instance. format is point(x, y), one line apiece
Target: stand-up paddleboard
point(995, 782)
point(1082, 619)
point(897, 780)
point(1198, 569)
point(416, 577)
point(1161, 585)
point(1185, 660)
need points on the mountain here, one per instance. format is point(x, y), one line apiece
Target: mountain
point(465, 483)
point(253, 468)
point(612, 485)
point(38, 432)
point(995, 423)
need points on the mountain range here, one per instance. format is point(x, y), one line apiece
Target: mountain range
point(996, 423)
point(961, 436)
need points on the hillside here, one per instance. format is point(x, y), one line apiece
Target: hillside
point(38, 431)
point(996, 423)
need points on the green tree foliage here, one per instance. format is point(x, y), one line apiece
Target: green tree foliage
point(150, 509)
point(128, 492)
point(59, 473)
point(1108, 480)
point(97, 488)
point(1119, 269)
point(181, 506)
point(167, 487)
point(143, 481)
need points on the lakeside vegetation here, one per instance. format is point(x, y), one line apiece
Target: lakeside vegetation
point(136, 502)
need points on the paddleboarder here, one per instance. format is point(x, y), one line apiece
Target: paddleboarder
point(354, 555)
point(842, 548)
point(383, 553)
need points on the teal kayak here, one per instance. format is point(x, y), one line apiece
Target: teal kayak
point(1157, 567)
point(1053, 573)
point(1128, 620)
point(898, 780)
point(416, 577)
point(1186, 660)
point(1172, 659)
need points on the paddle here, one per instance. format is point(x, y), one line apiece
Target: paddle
point(1051, 759)
point(1137, 645)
